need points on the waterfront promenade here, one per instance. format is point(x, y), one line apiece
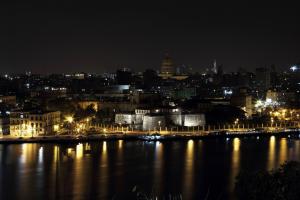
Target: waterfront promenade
point(126, 134)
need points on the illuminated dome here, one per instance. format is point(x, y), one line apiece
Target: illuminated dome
point(167, 67)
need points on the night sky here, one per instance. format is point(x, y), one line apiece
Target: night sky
point(69, 36)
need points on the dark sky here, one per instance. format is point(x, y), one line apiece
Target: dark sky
point(68, 36)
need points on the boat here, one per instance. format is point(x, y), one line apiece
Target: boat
point(151, 137)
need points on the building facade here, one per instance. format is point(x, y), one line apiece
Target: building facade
point(4, 124)
point(8, 100)
point(188, 120)
point(34, 123)
point(154, 122)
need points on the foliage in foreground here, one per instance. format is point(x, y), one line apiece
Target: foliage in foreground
point(281, 184)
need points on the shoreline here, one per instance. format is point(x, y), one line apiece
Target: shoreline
point(141, 137)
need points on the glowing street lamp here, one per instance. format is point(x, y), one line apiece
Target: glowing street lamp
point(69, 119)
point(159, 122)
point(87, 123)
point(236, 121)
point(272, 121)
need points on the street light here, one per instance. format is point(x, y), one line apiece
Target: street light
point(87, 123)
point(272, 121)
point(159, 122)
point(236, 121)
point(69, 119)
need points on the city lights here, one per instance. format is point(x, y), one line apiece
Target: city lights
point(168, 100)
point(69, 119)
point(294, 68)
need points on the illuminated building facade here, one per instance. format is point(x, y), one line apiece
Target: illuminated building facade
point(8, 100)
point(154, 122)
point(244, 102)
point(4, 123)
point(125, 118)
point(88, 104)
point(34, 123)
point(188, 120)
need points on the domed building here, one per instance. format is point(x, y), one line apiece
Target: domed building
point(167, 67)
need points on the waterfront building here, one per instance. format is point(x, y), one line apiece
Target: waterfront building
point(188, 119)
point(34, 123)
point(193, 120)
point(154, 122)
point(4, 123)
point(125, 118)
point(244, 102)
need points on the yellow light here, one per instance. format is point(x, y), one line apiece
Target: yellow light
point(69, 119)
point(236, 144)
point(69, 151)
point(79, 150)
point(104, 147)
point(104, 130)
point(283, 110)
point(56, 127)
point(120, 144)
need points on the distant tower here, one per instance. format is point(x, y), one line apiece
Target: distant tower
point(214, 68)
point(167, 67)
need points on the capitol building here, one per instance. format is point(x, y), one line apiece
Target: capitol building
point(167, 69)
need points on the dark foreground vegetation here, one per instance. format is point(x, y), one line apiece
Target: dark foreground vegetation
point(280, 184)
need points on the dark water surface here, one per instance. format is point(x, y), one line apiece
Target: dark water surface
point(109, 170)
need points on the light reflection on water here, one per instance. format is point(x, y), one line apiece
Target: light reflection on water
point(188, 169)
point(104, 165)
point(235, 163)
point(158, 166)
point(79, 176)
point(79, 151)
point(282, 150)
point(101, 170)
point(271, 153)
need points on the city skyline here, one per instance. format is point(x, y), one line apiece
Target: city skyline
point(150, 100)
point(70, 36)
